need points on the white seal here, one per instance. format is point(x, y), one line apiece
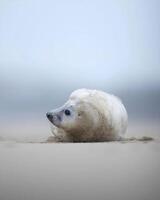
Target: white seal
point(89, 116)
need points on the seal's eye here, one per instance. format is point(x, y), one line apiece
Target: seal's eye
point(67, 112)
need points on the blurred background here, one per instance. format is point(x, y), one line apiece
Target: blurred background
point(50, 48)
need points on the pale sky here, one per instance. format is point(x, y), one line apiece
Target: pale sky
point(94, 42)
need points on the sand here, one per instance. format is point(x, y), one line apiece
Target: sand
point(79, 171)
point(30, 170)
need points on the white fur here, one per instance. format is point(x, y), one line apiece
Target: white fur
point(97, 116)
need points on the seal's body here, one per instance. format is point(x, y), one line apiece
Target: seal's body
point(89, 116)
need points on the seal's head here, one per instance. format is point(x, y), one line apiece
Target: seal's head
point(74, 117)
point(63, 117)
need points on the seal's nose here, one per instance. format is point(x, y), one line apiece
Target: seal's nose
point(49, 116)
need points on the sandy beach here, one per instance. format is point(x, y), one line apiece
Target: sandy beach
point(30, 170)
point(88, 171)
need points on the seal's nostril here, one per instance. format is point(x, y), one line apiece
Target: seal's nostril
point(49, 116)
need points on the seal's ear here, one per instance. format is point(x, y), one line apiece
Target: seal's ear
point(80, 113)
